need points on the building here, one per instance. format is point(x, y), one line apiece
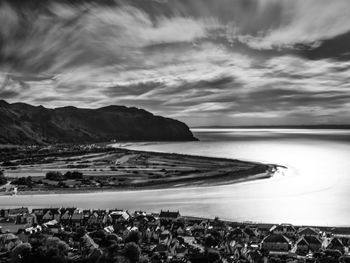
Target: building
point(308, 231)
point(301, 247)
point(168, 215)
point(275, 242)
point(315, 243)
point(336, 244)
point(283, 229)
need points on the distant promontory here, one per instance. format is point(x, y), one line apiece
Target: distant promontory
point(22, 123)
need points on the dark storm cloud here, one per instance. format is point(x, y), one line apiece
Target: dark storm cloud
point(222, 60)
point(336, 48)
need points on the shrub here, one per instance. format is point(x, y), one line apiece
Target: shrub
point(73, 175)
point(132, 252)
point(54, 176)
point(3, 179)
point(21, 252)
point(133, 236)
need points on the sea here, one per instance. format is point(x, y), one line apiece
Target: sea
point(313, 188)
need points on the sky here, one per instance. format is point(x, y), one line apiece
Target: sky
point(204, 62)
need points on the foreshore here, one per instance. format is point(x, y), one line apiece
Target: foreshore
point(119, 169)
point(188, 185)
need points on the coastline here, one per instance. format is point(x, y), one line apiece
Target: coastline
point(221, 171)
point(165, 186)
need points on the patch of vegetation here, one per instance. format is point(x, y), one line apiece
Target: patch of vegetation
point(3, 179)
point(58, 176)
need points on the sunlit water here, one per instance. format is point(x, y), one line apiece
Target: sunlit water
point(315, 189)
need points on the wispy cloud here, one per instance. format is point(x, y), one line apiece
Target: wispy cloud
point(201, 61)
point(304, 22)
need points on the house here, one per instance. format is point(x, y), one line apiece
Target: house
point(204, 224)
point(17, 215)
point(141, 221)
point(162, 250)
point(263, 230)
point(30, 219)
point(10, 189)
point(244, 235)
point(253, 256)
point(250, 235)
point(119, 216)
point(198, 232)
point(178, 227)
point(33, 229)
point(97, 217)
point(315, 243)
point(308, 231)
point(165, 238)
point(18, 211)
point(77, 217)
point(66, 215)
point(301, 247)
point(86, 216)
point(283, 229)
point(218, 225)
point(148, 234)
point(275, 242)
point(52, 214)
point(236, 234)
point(336, 244)
point(181, 251)
point(53, 226)
point(168, 215)
point(140, 213)
point(39, 213)
point(8, 241)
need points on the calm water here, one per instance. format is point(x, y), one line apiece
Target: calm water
point(315, 189)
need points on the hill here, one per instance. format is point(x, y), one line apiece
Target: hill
point(22, 123)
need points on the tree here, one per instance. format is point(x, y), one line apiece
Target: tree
point(133, 236)
point(213, 257)
point(8, 163)
point(210, 241)
point(56, 244)
point(21, 252)
point(3, 179)
point(23, 181)
point(73, 175)
point(62, 184)
point(132, 252)
point(54, 176)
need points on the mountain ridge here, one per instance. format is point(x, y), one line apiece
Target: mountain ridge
point(22, 123)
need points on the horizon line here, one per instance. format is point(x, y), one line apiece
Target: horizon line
point(310, 126)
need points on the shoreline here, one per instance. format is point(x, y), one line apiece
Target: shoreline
point(201, 171)
point(165, 186)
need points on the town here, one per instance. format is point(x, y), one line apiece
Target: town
point(117, 235)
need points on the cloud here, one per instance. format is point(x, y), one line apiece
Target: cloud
point(303, 22)
point(77, 36)
point(220, 61)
